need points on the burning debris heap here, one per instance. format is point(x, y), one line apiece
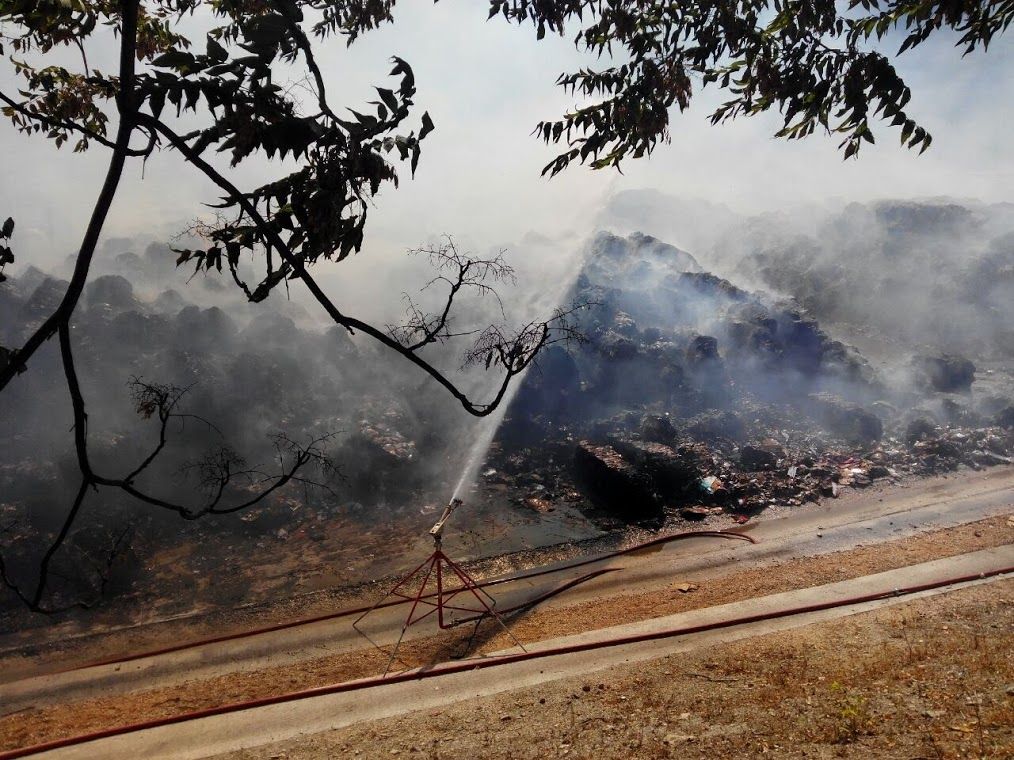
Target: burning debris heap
point(690, 393)
point(631, 478)
point(694, 396)
point(919, 273)
point(691, 397)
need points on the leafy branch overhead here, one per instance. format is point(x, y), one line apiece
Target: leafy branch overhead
point(817, 63)
point(6, 255)
point(320, 209)
point(251, 87)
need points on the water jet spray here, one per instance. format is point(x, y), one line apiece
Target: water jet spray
point(433, 569)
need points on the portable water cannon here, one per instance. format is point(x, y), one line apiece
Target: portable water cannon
point(437, 531)
point(462, 595)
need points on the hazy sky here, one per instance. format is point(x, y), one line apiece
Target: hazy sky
point(486, 84)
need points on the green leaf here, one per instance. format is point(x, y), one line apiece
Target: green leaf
point(216, 52)
point(8, 228)
point(174, 59)
point(388, 97)
point(266, 30)
point(906, 131)
point(427, 125)
point(155, 102)
point(415, 157)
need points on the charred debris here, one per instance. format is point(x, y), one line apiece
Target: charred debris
point(695, 397)
point(691, 398)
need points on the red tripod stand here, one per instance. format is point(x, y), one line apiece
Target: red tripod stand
point(425, 602)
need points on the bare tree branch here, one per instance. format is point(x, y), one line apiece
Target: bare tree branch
point(459, 271)
point(33, 600)
point(218, 471)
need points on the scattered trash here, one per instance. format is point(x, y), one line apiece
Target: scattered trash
point(695, 513)
point(543, 506)
point(711, 484)
point(757, 458)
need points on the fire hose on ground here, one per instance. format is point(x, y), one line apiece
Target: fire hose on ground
point(359, 610)
point(498, 661)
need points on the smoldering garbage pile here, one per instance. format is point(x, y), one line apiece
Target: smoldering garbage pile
point(251, 371)
point(917, 274)
point(695, 397)
point(692, 398)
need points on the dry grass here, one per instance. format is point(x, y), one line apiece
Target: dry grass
point(928, 679)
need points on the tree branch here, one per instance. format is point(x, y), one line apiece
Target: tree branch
point(74, 126)
point(300, 38)
point(34, 600)
point(467, 273)
point(128, 108)
point(219, 470)
point(350, 323)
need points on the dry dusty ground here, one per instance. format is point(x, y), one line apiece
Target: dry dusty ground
point(34, 726)
point(932, 678)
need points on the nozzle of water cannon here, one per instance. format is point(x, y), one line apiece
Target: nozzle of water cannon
point(437, 530)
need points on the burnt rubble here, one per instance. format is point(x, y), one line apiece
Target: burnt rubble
point(691, 398)
point(614, 483)
point(694, 397)
point(946, 373)
point(633, 479)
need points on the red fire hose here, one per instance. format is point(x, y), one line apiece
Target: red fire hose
point(360, 610)
point(479, 664)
